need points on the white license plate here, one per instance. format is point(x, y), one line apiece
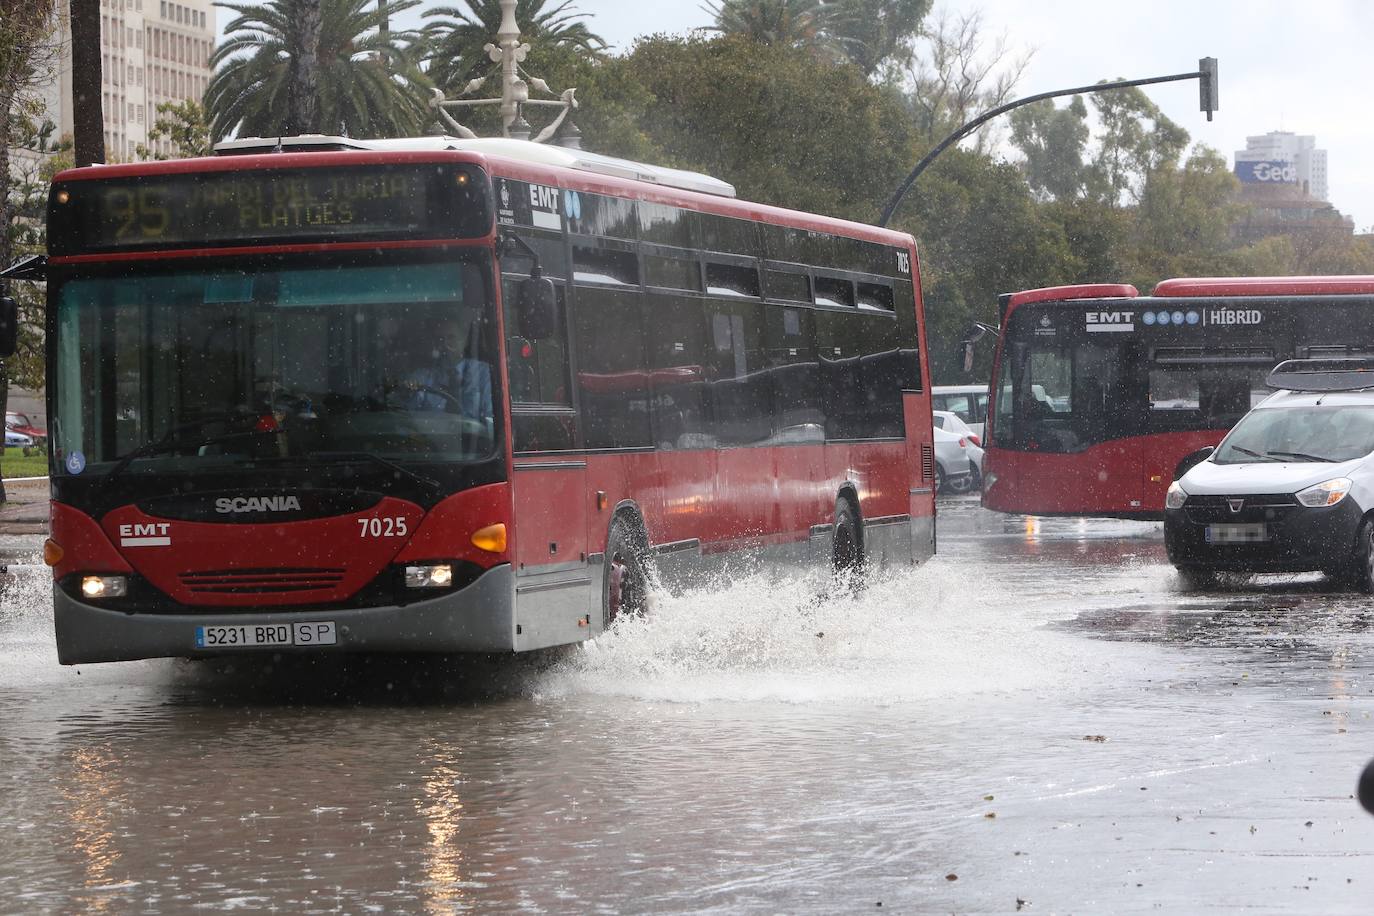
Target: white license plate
point(266, 635)
point(1237, 534)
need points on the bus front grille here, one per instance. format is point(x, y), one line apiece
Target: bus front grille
point(261, 581)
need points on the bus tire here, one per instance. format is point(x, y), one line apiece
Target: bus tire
point(848, 552)
point(625, 585)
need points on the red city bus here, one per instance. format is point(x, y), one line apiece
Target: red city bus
point(443, 395)
point(1098, 394)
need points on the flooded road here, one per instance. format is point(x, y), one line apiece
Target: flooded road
point(1040, 719)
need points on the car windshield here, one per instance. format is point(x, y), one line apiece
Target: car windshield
point(1300, 434)
point(194, 370)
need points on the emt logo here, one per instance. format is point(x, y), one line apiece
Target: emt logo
point(1111, 321)
point(152, 534)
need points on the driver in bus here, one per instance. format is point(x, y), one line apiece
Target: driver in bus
point(454, 380)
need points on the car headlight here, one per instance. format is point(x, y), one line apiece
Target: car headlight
point(1327, 493)
point(1176, 496)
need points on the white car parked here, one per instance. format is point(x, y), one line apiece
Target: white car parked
point(951, 423)
point(953, 463)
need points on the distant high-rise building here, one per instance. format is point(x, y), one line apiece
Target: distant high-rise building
point(1280, 157)
point(151, 51)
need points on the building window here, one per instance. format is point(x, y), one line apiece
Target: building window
point(164, 9)
point(140, 114)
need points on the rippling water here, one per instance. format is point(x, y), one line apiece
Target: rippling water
point(1039, 714)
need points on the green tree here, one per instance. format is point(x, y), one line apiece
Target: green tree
point(183, 124)
point(1054, 141)
point(870, 34)
point(26, 28)
point(458, 36)
point(1182, 225)
point(1137, 139)
point(878, 35)
point(368, 86)
point(773, 120)
point(955, 76)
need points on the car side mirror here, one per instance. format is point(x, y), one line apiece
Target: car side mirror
point(9, 327)
point(536, 308)
point(1192, 459)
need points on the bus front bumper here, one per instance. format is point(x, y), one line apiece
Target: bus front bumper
point(477, 618)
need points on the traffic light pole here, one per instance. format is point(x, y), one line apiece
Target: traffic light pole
point(1206, 74)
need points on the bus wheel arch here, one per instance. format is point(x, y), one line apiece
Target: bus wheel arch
point(625, 579)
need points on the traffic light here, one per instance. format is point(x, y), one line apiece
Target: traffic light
point(1207, 85)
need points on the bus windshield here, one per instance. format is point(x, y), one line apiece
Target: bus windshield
point(195, 369)
point(1067, 391)
point(1326, 434)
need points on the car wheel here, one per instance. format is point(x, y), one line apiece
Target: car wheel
point(625, 587)
point(961, 484)
point(1195, 578)
point(939, 478)
point(1361, 574)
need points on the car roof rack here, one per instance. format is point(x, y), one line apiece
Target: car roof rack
point(1322, 375)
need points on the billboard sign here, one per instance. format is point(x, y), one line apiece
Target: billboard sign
point(1267, 171)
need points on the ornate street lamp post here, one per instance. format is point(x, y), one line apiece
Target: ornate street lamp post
point(516, 84)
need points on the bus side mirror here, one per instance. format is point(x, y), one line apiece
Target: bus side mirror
point(536, 308)
point(968, 356)
point(9, 327)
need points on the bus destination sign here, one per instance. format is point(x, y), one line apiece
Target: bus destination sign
point(247, 207)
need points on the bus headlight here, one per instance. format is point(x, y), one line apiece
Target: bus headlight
point(440, 575)
point(1327, 493)
point(97, 587)
point(1176, 496)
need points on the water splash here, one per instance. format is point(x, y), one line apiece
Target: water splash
point(916, 634)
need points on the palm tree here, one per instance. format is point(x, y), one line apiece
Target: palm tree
point(456, 42)
point(795, 23)
point(367, 84)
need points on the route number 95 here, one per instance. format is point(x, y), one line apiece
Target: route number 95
point(383, 527)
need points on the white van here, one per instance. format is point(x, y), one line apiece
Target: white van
point(969, 402)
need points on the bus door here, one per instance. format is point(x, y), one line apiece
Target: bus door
point(549, 485)
point(1070, 412)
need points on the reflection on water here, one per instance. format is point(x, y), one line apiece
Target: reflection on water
point(1042, 711)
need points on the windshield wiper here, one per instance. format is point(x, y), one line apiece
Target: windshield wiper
point(433, 485)
point(1301, 456)
point(1241, 448)
point(169, 445)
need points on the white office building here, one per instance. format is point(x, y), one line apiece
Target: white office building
point(151, 51)
point(1305, 165)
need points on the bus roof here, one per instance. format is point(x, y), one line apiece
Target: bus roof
point(1265, 286)
point(519, 159)
point(1008, 301)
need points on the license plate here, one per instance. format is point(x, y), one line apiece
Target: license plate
point(266, 635)
point(1237, 534)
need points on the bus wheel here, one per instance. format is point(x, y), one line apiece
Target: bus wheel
point(849, 555)
point(626, 586)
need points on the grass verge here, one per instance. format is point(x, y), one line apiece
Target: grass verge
point(13, 463)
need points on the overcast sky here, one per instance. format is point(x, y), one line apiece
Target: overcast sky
point(1300, 67)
